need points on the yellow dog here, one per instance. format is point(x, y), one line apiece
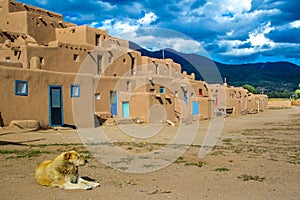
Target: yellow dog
point(62, 172)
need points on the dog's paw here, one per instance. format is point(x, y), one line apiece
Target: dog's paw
point(96, 184)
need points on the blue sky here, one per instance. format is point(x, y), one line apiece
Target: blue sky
point(230, 31)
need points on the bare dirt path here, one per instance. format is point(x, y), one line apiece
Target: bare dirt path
point(257, 157)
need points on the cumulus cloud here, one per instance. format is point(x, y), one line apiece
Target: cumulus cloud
point(105, 5)
point(147, 19)
point(295, 24)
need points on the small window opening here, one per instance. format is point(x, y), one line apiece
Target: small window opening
point(176, 93)
point(97, 96)
point(200, 92)
point(75, 91)
point(21, 88)
point(97, 42)
point(162, 90)
point(128, 85)
point(75, 57)
point(42, 60)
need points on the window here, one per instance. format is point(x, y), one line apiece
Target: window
point(97, 39)
point(200, 92)
point(176, 93)
point(97, 96)
point(7, 59)
point(21, 88)
point(75, 91)
point(128, 85)
point(162, 90)
point(76, 57)
point(42, 60)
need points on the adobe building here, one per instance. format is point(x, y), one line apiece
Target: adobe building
point(50, 67)
point(59, 73)
point(235, 101)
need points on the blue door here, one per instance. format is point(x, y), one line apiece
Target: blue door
point(114, 103)
point(195, 108)
point(125, 108)
point(55, 105)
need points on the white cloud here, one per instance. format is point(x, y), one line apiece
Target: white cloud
point(94, 24)
point(147, 19)
point(256, 42)
point(295, 24)
point(217, 8)
point(80, 17)
point(183, 45)
point(43, 2)
point(106, 5)
point(258, 38)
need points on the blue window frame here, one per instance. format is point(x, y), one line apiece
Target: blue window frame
point(162, 90)
point(75, 90)
point(21, 88)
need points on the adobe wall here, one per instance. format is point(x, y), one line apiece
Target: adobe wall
point(152, 108)
point(279, 104)
point(35, 106)
point(81, 35)
point(14, 22)
point(25, 19)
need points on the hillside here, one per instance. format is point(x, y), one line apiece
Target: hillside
point(268, 77)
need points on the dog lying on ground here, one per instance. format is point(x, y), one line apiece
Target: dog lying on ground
point(62, 172)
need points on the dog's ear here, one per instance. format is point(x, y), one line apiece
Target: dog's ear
point(67, 156)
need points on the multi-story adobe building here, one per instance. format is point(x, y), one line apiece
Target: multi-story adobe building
point(59, 73)
point(237, 100)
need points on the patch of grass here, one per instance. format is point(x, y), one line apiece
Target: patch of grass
point(148, 166)
point(238, 150)
point(55, 144)
point(216, 153)
point(198, 164)
point(222, 169)
point(15, 153)
point(228, 140)
point(180, 160)
point(246, 177)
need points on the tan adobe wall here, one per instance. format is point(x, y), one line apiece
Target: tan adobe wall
point(60, 57)
point(14, 22)
point(163, 67)
point(35, 106)
point(116, 42)
point(26, 19)
point(279, 104)
point(121, 64)
point(81, 35)
point(15, 6)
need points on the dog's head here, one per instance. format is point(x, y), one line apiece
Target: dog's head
point(74, 158)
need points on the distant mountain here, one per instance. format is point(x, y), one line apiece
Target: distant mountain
point(266, 77)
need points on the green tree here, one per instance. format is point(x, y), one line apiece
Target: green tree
point(297, 92)
point(250, 88)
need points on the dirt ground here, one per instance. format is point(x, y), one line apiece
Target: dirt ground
point(256, 157)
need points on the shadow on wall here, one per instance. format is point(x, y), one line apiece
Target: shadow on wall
point(99, 121)
point(1, 121)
